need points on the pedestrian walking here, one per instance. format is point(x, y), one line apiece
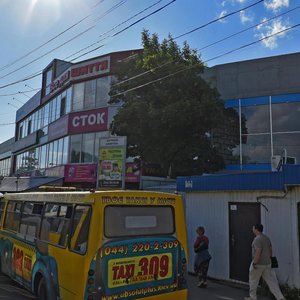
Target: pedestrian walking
point(202, 257)
point(261, 265)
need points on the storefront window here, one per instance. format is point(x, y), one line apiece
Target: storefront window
point(65, 150)
point(256, 118)
point(68, 100)
point(43, 154)
point(87, 147)
point(55, 152)
point(256, 149)
point(49, 163)
point(89, 94)
point(78, 96)
point(75, 148)
point(286, 116)
point(103, 88)
point(60, 151)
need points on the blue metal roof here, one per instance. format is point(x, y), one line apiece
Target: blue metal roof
point(290, 175)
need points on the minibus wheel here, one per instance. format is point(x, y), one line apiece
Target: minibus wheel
point(42, 290)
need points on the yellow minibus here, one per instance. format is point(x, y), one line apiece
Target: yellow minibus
point(95, 245)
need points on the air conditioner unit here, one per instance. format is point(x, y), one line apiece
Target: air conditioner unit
point(290, 160)
point(278, 160)
point(275, 161)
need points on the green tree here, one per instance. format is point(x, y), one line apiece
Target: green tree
point(169, 113)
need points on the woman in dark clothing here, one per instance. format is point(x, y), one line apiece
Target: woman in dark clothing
point(202, 257)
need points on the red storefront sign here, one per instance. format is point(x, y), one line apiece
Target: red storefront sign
point(88, 121)
point(80, 173)
point(83, 70)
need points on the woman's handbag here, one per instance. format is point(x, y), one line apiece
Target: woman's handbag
point(274, 262)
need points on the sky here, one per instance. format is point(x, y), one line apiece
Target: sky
point(34, 32)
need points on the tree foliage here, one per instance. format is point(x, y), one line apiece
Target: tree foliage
point(168, 112)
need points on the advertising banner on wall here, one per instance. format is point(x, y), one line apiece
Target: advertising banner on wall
point(80, 173)
point(111, 166)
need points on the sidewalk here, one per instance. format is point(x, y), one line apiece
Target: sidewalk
point(217, 291)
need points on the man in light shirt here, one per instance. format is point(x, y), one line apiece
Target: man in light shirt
point(261, 265)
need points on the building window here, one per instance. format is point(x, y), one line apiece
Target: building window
point(48, 80)
point(285, 117)
point(75, 148)
point(87, 147)
point(5, 165)
point(256, 149)
point(63, 106)
point(103, 88)
point(257, 119)
point(89, 94)
point(29, 127)
point(20, 131)
point(65, 157)
point(78, 94)
point(288, 141)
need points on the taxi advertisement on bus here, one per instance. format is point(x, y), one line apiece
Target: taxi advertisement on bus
point(141, 267)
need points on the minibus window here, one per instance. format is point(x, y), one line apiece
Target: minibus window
point(2, 205)
point(80, 228)
point(31, 219)
point(123, 221)
point(12, 219)
point(56, 224)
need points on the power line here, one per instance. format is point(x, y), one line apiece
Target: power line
point(44, 44)
point(191, 67)
point(214, 58)
point(214, 43)
point(50, 51)
point(112, 29)
point(40, 72)
point(119, 4)
point(63, 44)
point(13, 94)
point(218, 19)
point(156, 11)
point(251, 27)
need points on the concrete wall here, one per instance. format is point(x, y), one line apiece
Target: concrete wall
point(260, 77)
point(210, 209)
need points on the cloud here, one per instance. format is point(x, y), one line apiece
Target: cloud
point(267, 30)
point(244, 18)
point(276, 5)
point(222, 14)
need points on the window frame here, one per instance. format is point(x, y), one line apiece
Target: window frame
point(143, 235)
point(13, 212)
point(72, 225)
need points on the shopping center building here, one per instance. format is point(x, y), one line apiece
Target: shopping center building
point(265, 93)
point(58, 130)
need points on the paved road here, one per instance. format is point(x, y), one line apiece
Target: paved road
point(215, 291)
point(10, 290)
